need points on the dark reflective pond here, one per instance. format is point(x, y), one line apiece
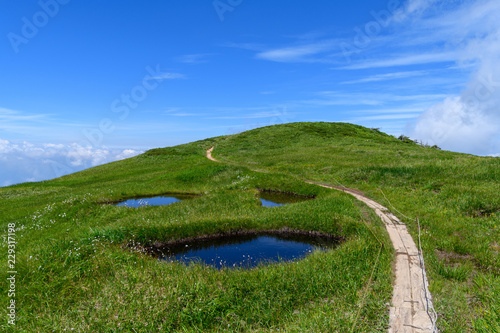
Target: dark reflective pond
point(279, 199)
point(246, 251)
point(155, 201)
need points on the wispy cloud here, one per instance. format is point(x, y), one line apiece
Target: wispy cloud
point(25, 124)
point(21, 117)
point(455, 40)
point(168, 76)
point(4, 111)
point(371, 99)
point(386, 117)
point(405, 60)
point(258, 115)
point(198, 58)
point(417, 34)
point(387, 76)
point(246, 46)
point(179, 112)
point(184, 114)
point(230, 113)
point(8, 115)
point(414, 110)
point(297, 53)
point(413, 8)
point(389, 118)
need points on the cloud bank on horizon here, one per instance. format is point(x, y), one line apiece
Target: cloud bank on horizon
point(27, 162)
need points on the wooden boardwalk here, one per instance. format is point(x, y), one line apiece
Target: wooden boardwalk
point(411, 300)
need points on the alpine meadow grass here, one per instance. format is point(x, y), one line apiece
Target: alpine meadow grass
point(81, 266)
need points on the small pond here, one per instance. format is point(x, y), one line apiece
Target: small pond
point(271, 199)
point(246, 251)
point(155, 201)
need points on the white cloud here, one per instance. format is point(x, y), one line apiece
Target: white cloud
point(80, 156)
point(390, 110)
point(4, 111)
point(24, 161)
point(413, 7)
point(296, 53)
point(127, 153)
point(8, 115)
point(420, 32)
point(245, 46)
point(194, 58)
point(387, 47)
point(257, 115)
point(388, 117)
point(4, 145)
point(371, 99)
point(434, 36)
point(388, 76)
point(183, 112)
point(454, 125)
point(168, 76)
point(470, 122)
point(405, 60)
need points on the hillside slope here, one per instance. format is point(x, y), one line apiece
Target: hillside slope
point(455, 196)
point(81, 264)
point(77, 264)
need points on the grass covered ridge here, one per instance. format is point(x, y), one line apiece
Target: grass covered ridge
point(78, 269)
point(455, 196)
point(77, 266)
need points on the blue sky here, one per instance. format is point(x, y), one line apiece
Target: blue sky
point(87, 82)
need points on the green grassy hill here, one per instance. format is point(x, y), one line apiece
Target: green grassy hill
point(79, 263)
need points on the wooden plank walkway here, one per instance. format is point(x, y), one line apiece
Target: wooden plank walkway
point(411, 299)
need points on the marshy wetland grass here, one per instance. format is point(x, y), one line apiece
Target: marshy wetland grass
point(81, 265)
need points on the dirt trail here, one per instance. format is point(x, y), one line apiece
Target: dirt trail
point(209, 154)
point(411, 299)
